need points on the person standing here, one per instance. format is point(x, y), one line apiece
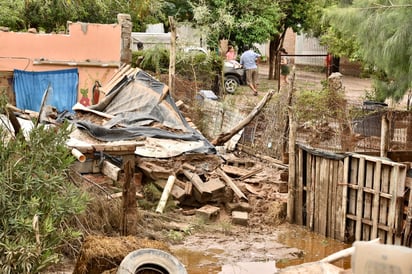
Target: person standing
point(230, 53)
point(284, 67)
point(249, 60)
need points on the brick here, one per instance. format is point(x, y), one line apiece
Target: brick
point(242, 206)
point(208, 212)
point(240, 218)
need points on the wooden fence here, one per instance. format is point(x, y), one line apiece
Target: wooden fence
point(351, 196)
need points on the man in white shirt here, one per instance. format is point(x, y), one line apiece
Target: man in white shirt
point(249, 60)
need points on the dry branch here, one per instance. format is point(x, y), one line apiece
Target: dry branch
point(225, 136)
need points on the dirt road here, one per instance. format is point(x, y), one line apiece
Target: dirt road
point(355, 87)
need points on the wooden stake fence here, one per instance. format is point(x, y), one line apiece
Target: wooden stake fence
point(351, 197)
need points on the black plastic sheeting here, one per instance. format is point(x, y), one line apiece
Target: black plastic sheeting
point(134, 105)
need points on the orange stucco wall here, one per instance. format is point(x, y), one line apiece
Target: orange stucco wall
point(95, 49)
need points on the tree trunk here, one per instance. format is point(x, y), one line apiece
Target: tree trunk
point(274, 45)
point(272, 58)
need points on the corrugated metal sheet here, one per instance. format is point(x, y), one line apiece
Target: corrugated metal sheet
point(29, 87)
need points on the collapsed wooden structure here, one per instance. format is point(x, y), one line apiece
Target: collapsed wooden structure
point(196, 175)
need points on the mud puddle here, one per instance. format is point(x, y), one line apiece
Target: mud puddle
point(286, 245)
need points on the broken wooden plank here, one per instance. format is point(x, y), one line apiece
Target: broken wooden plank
point(165, 193)
point(110, 170)
point(250, 174)
point(154, 171)
point(234, 170)
point(189, 167)
point(231, 184)
point(120, 194)
point(115, 79)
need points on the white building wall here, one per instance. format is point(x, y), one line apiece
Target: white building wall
point(309, 46)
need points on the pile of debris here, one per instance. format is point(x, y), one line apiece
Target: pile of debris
point(139, 122)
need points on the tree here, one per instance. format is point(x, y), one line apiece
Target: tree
point(242, 22)
point(384, 37)
point(298, 15)
point(53, 15)
point(10, 14)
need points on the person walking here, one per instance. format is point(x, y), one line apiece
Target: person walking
point(249, 60)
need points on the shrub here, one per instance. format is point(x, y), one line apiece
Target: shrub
point(36, 198)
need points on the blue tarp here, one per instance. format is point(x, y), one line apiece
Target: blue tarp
point(30, 86)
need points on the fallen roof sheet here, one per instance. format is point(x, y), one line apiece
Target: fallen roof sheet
point(140, 106)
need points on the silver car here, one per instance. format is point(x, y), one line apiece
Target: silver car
point(234, 76)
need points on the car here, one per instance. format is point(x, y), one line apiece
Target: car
point(196, 50)
point(234, 75)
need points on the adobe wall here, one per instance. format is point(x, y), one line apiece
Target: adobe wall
point(95, 49)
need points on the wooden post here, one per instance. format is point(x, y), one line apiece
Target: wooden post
point(384, 136)
point(172, 63)
point(129, 213)
point(286, 129)
point(292, 169)
point(291, 160)
point(165, 193)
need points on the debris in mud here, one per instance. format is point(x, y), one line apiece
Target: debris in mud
point(99, 254)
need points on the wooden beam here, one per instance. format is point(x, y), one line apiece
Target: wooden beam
point(111, 170)
point(129, 214)
point(231, 184)
point(250, 174)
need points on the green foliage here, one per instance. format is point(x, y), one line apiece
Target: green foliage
point(340, 45)
point(11, 14)
point(318, 107)
point(36, 199)
point(193, 66)
point(241, 22)
point(181, 10)
point(199, 67)
point(53, 15)
point(175, 236)
point(155, 59)
point(383, 36)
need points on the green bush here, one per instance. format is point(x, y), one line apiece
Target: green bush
point(193, 66)
point(154, 59)
point(36, 198)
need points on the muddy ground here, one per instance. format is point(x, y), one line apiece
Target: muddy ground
point(268, 237)
point(204, 247)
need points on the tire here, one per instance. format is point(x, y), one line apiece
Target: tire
point(231, 83)
point(153, 260)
